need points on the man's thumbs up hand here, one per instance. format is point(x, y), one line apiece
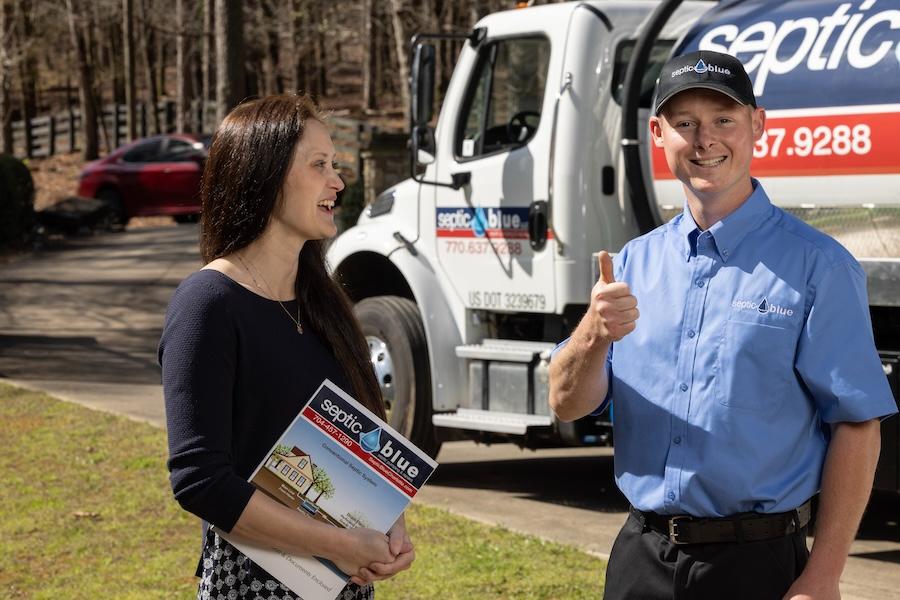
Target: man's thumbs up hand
point(607, 274)
point(613, 311)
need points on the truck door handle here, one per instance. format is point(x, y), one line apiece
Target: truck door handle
point(538, 222)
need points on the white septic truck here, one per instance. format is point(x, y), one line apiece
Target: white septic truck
point(468, 273)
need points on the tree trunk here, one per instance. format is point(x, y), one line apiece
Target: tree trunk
point(321, 57)
point(474, 12)
point(90, 148)
point(6, 22)
point(402, 53)
point(147, 39)
point(270, 23)
point(300, 69)
point(181, 69)
point(27, 74)
point(160, 57)
point(116, 48)
point(229, 27)
point(129, 47)
point(207, 68)
point(369, 55)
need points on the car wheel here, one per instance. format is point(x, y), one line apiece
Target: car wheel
point(399, 353)
point(117, 217)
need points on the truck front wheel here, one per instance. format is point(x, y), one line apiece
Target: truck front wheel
point(399, 353)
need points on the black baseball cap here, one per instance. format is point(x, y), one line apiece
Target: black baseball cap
point(704, 69)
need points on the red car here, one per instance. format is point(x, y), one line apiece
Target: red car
point(159, 175)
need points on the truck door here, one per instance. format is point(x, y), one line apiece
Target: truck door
point(501, 137)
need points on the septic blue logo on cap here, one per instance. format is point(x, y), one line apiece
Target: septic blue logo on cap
point(700, 67)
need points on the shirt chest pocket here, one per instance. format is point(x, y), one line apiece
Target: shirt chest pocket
point(754, 365)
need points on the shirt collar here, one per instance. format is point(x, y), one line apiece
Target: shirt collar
point(730, 231)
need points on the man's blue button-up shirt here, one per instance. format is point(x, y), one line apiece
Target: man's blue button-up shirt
point(753, 336)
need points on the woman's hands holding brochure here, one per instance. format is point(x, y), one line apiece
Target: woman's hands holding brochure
point(359, 548)
point(400, 548)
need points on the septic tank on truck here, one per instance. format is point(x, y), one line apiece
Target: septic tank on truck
point(468, 273)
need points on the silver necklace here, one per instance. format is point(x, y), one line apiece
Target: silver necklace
point(268, 289)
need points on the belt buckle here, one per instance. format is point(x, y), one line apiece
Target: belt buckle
point(674, 532)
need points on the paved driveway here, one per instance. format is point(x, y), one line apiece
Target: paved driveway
point(82, 323)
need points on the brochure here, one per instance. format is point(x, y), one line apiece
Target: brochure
point(340, 464)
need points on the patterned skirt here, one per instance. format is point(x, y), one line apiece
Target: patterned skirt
point(227, 574)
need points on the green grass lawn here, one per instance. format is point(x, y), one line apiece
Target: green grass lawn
point(87, 513)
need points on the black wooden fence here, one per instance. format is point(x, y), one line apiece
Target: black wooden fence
point(60, 133)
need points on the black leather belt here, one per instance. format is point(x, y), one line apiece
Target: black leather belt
point(745, 527)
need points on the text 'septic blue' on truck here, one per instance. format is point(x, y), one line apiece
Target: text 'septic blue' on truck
point(467, 274)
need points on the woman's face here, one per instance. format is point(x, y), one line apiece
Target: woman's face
point(306, 206)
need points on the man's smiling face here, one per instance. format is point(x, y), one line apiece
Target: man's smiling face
point(708, 141)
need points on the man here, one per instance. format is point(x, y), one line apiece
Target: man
point(749, 384)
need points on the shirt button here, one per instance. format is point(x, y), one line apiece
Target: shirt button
point(683, 387)
point(677, 440)
point(671, 495)
point(691, 334)
point(699, 283)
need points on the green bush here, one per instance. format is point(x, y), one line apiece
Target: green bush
point(16, 201)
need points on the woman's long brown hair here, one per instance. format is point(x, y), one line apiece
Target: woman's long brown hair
point(248, 161)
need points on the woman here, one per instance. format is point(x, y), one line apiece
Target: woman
point(251, 336)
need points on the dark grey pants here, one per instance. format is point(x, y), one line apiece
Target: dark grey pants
point(645, 565)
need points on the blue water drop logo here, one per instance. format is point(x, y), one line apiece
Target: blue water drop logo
point(479, 222)
point(371, 441)
point(763, 306)
point(701, 67)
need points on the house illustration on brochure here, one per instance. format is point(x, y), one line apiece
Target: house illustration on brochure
point(294, 468)
point(290, 476)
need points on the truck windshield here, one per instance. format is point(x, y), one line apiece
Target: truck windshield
point(658, 55)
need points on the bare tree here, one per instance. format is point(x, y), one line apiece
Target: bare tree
point(320, 54)
point(6, 64)
point(274, 82)
point(300, 69)
point(27, 71)
point(207, 67)
point(181, 69)
point(229, 28)
point(369, 65)
point(147, 39)
point(128, 46)
point(90, 149)
point(400, 36)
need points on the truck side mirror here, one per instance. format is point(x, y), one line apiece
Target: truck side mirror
point(422, 85)
point(422, 144)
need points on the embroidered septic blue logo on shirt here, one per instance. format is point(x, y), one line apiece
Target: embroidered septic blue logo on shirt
point(763, 307)
point(700, 67)
point(371, 441)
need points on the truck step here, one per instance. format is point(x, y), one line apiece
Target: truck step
point(485, 420)
point(505, 350)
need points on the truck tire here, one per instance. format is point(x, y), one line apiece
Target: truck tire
point(399, 352)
